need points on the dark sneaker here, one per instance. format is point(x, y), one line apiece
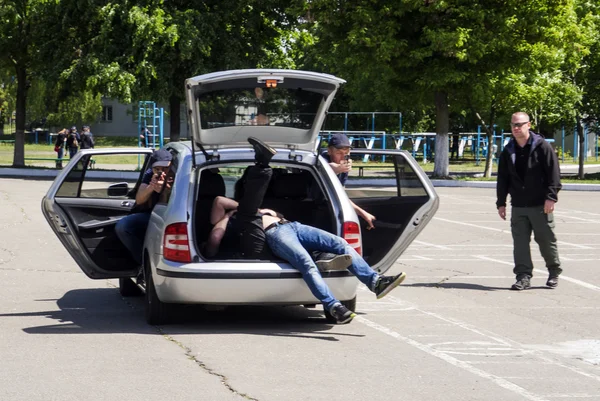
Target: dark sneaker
point(385, 284)
point(331, 261)
point(523, 283)
point(342, 314)
point(263, 152)
point(552, 281)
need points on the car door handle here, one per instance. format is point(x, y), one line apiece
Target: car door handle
point(126, 203)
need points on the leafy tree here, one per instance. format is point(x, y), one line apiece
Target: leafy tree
point(412, 54)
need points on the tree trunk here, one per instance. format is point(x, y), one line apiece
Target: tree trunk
point(581, 136)
point(489, 158)
point(175, 122)
point(19, 154)
point(440, 169)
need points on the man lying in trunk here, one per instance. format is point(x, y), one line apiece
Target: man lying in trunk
point(291, 241)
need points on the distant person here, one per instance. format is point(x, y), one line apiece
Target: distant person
point(145, 135)
point(87, 138)
point(59, 146)
point(338, 156)
point(73, 141)
point(528, 170)
point(455, 143)
point(131, 229)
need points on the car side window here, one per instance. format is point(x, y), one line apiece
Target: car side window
point(116, 183)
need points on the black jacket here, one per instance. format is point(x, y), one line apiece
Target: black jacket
point(542, 177)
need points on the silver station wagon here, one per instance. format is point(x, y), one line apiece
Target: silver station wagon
point(286, 109)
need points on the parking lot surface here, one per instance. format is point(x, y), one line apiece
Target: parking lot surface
point(452, 331)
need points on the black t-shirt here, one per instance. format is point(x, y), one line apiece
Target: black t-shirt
point(521, 158)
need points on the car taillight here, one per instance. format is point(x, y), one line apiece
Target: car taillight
point(176, 246)
point(351, 233)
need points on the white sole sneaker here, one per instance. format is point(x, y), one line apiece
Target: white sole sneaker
point(393, 285)
point(337, 263)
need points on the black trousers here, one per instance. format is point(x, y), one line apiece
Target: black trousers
point(248, 225)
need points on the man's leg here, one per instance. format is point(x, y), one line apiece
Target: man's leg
point(543, 232)
point(284, 242)
point(255, 184)
point(520, 226)
point(131, 230)
point(252, 235)
point(316, 239)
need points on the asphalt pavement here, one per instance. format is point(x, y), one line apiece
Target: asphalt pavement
point(451, 331)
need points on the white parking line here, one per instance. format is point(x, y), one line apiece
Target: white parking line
point(431, 245)
point(452, 360)
point(503, 231)
point(562, 277)
point(499, 342)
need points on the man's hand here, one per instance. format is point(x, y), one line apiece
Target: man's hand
point(342, 167)
point(369, 218)
point(549, 206)
point(502, 212)
point(157, 182)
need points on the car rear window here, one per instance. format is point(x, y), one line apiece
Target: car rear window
point(292, 107)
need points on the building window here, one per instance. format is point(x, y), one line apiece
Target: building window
point(107, 113)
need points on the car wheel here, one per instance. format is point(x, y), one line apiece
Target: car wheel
point(350, 304)
point(157, 312)
point(128, 288)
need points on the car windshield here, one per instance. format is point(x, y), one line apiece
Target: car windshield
point(280, 106)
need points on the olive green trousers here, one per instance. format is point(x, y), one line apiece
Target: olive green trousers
point(524, 221)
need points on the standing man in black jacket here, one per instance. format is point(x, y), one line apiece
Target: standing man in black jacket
point(528, 170)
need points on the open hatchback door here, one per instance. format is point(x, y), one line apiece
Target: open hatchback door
point(281, 107)
point(394, 189)
point(82, 209)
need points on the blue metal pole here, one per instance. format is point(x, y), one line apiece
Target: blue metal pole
point(563, 143)
point(585, 142)
point(477, 145)
point(574, 144)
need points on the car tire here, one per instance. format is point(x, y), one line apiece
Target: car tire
point(128, 287)
point(157, 312)
point(350, 304)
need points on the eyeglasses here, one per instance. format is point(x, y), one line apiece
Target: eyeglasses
point(518, 125)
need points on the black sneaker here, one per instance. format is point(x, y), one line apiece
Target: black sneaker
point(331, 261)
point(523, 283)
point(342, 314)
point(263, 152)
point(385, 284)
point(552, 281)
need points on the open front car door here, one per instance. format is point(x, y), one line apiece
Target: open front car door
point(83, 205)
point(392, 187)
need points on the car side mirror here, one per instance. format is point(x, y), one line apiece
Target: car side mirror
point(119, 189)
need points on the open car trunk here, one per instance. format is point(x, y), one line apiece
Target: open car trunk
point(293, 192)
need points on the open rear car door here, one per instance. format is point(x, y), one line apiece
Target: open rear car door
point(393, 188)
point(83, 205)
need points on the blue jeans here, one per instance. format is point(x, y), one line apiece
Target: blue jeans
point(72, 152)
point(294, 242)
point(131, 230)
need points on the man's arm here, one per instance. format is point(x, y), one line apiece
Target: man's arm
point(502, 186)
point(145, 191)
point(368, 217)
point(552, 173)
point(502, 181)
point(339, 168)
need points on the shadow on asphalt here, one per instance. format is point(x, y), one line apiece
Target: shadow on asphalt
point(105, 311)
point(470, 286)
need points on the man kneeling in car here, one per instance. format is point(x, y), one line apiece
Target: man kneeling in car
point(288, 240)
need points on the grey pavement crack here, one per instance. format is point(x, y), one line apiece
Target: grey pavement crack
point(189, 353)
